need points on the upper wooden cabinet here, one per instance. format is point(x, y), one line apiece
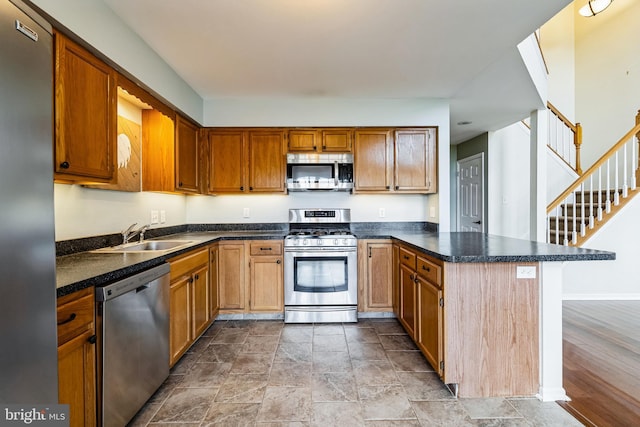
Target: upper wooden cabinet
point(187, 156)
point(246, 160)
point(395, 160)
point(337, 140)
point(85, 115)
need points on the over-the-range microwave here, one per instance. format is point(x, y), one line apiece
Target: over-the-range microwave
point(320, 171)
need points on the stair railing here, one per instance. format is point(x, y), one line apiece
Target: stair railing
point(603, 184)
point(565, 138)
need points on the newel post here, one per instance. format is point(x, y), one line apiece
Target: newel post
point(577, 141)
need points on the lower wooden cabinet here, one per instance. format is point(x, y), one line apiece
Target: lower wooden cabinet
point(429, 323)
point(190, 312)
point(77, 356)
point(375, 275)
point(251, 276)
point(408, 300)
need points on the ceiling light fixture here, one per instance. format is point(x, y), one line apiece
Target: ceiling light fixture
point(464, 123)
point(593, 7)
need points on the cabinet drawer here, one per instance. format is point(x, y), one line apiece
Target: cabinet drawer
point(75, 315)
point(408, 258)
point(430, 271)
point(189, 262)
point(265, 247)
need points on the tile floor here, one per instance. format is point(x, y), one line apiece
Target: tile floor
point(266, 373)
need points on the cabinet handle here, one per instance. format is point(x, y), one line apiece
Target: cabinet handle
point(315, 148)
point(92, 339)
point(180, 184)
point(190, 280)
point(405, 257)
point(70, 319)
point(427, 269)
point(416, 279)
point(369, 252)
point(324, 147)
point(64, 165)
point(387, 187)
point(278, 261)
point(250, 188)
point(397, 187)
point(266, 249)
point(197, 277)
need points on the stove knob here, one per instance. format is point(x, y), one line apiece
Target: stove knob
point(336, 242)
point(305, 242)
point(319, 242)
point(345, 242)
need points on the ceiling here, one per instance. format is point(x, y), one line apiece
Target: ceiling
point(462, 50)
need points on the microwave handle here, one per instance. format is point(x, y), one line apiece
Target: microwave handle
point(336, 172)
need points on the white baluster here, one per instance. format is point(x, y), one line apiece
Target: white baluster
point(591, 219)
point(582, 209)
point(599, 193)
point(625, 187)
point(566, 226)
point(608, 199)
point(574, 233)
point(616, 193)
point(634, 141)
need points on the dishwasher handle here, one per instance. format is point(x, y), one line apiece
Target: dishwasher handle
point(133, 283)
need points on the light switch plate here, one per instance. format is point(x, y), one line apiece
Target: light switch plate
point(163, 216)
point(525, 272)
point(245, 213)
point(381, 213)
point(154, 217)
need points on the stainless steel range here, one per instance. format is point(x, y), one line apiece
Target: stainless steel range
point(320, 267)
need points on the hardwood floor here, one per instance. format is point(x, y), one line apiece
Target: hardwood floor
point(601, 345)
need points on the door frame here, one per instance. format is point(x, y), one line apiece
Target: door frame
point(484, 192)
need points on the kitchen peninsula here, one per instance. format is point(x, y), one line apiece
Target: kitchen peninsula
point(472, 302)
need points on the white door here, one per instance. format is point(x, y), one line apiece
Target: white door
point(471, 193)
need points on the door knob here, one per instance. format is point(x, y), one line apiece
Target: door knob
point(477, 222)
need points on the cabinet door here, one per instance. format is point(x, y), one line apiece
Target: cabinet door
point(158, 148)
point(429, 325)
point(337, 140)
point(85, 115)
point(187, 157)
point(214, 304)
point(373, 160)
point(201, 300)
point(379, 276)
point(266, 284)
point(226, 165)
point(302, 141)
point(413, 161)
point(396, 280)
point(180, 318)
point(267, 161)
point(408, 300)
point(231, 278)
point(77, 379)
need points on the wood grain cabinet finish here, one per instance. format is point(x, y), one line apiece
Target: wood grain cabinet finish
point(246, 161)
point(214, 304)
point(266, 277)
point(318, 140)
point(429, 301)
point(85, 115)
point(408, 300)
point(190, 312)
point(77, 356)
point(395, 160)
point(231, 276)
point(375, 275)
point(187, 157)
point(158, 151)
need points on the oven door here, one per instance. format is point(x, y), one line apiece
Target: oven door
point(320, 276)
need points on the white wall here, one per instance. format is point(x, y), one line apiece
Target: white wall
point(95, 23)
point(609, 279)
point(607, 76)
point(330, 112)
point(508, 182)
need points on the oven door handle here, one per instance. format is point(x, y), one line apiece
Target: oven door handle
point(307, 251)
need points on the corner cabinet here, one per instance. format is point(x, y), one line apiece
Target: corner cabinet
point(190, 313)
point(77, 356)
point(395, 160)
point(85, 115)
point(246, 161)
point(187, 155)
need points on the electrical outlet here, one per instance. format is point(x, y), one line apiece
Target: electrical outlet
point(163, 216)
point(432, 212)
point(245, 213)
point(381, 213)
point(525, 272)
point(154, 217)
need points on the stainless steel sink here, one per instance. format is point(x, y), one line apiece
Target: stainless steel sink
point(147, 246)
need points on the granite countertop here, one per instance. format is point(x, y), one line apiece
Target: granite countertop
point(84, 269)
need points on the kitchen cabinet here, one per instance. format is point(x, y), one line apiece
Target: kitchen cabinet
point(266, 276)
point(214, 304)
point(395, 160)
point(85, 115)
point(77, 356)
point(246, 160)
point(396, 279)
point(158, 156)
point(408, 299)
point(231, 276)
point(429, 301)
point(328, 140)
point(190, 312)
point(187, 156)
point(375, 275)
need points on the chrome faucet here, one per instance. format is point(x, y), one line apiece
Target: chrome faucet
point(130, 233)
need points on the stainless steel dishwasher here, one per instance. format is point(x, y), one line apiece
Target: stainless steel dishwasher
point(133, 342)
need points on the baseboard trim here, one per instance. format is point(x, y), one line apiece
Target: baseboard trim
point(601, 297)
point(552, 394)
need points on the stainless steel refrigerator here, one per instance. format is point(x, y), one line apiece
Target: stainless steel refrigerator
point(28, 343)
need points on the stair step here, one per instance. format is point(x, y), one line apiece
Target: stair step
point(568, 210)
point(560, 221)
point(588, 195)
